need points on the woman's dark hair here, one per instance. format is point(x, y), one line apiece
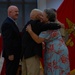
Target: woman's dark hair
point(50, 14)
point(54, 9)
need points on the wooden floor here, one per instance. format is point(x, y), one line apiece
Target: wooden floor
point(19, 71)
point(41, 71)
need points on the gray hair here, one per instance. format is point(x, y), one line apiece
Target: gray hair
point(50, 15)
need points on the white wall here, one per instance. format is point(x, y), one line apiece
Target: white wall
point(42, 4)
point(53, 3)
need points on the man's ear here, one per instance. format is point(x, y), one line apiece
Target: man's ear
point(37, 17)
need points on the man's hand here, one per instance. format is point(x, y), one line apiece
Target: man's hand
point(11, 57)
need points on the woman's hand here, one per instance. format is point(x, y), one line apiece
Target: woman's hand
point(29, 28)
point(61, 24)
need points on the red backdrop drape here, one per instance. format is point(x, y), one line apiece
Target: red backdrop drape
point(3, 68)
point(0, 44)
point(66, 14)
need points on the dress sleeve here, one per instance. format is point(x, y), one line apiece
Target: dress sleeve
point(44, 35)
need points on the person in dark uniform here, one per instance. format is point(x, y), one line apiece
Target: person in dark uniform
point(11, 41)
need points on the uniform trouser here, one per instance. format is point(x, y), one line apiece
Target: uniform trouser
point(31, 66)
point(11, 67)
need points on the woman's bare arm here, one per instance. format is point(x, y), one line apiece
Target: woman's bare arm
point(34, 36)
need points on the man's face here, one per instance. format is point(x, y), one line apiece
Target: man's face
point(40, 16)
point(14, 13)
point(44, 18)
point(33, 16)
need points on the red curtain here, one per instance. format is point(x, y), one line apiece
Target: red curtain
point(3, 68)
point(0, 44)
point(66, 14)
